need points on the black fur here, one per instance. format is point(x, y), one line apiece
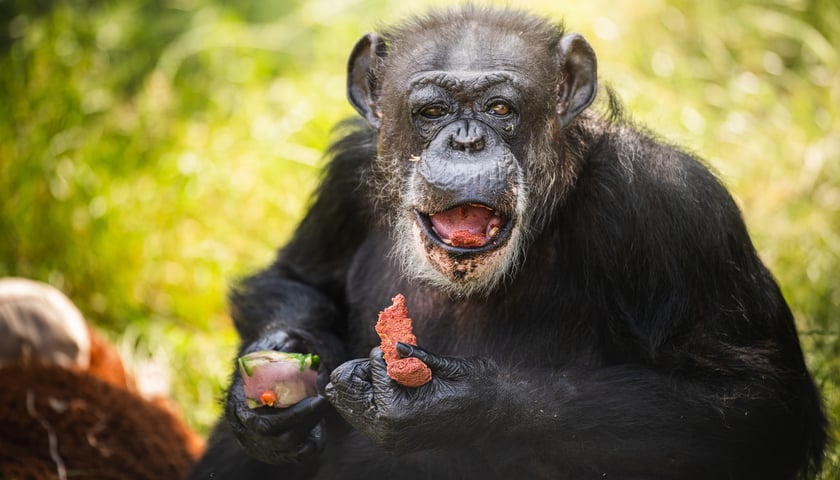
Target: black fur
point(641, 337)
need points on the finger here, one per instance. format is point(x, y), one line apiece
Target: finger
point(294, 440)
point(308, 409)
point(280, 341)
point(382, 383)
point(350, 390)
point(443, 366)
point(318, 437)
point(323, 378)
point(313, 445)
point(302, 416)
point(378, 367)
point(349, 380)
point(276, 447)
point(307, 451)
point(350, 375)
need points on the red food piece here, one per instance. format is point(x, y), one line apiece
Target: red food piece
point(467, 239)
point(268, 398)
point(394, 326)
point(409, 372)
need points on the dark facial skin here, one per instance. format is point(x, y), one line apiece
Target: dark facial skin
point(587, 297)
point(467, 122)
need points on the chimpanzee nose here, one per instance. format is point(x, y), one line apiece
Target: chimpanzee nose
point(468, 136)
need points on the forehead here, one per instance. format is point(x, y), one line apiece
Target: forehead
point(479, 79)
point(470, 51)
point(473, 48)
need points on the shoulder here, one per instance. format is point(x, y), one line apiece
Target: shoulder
point(341, 190)
point(657, 203)
point(643, 172)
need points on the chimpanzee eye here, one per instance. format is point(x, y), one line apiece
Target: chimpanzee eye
point(500, 109)
point(434, 111)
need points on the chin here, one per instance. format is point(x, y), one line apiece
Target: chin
point(458, 264)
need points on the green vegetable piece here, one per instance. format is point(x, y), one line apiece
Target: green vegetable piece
point(248, 362)
point(245, 366)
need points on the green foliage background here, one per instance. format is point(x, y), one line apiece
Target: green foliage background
point(152, 151)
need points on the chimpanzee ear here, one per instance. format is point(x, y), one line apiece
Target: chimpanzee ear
point(579, 70)
point(362, 84)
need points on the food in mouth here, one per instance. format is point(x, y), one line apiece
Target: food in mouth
point(467, 226)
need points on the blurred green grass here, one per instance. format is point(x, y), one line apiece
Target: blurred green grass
point(153, 151)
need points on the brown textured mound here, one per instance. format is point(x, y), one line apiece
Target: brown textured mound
point(54, 419)
point(394, 326)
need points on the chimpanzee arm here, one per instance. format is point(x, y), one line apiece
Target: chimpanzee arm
point(303, 289)
point(297, 304)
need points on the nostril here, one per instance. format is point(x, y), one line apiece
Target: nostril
point(467, 136)
point(462, 143)
point(456, 143)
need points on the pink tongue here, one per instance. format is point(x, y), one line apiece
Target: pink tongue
point(466, 225)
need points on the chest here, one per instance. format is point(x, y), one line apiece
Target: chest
point(525, 321)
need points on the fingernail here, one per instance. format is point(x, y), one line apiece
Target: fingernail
point(404, 349)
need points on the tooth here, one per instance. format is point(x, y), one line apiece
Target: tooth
point(444, 240)
point(493, 232)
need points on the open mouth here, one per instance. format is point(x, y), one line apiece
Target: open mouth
point(469, 226)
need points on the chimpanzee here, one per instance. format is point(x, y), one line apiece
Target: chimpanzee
point(586, 296)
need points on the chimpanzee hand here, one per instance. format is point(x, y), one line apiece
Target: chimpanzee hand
point(276, 435)
point(453, 407)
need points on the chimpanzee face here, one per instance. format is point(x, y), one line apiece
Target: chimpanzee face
point(465, 127)
point(464, 187)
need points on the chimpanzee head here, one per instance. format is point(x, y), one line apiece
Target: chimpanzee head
point(471, 108)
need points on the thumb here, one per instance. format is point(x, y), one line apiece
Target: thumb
point(440, 365)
